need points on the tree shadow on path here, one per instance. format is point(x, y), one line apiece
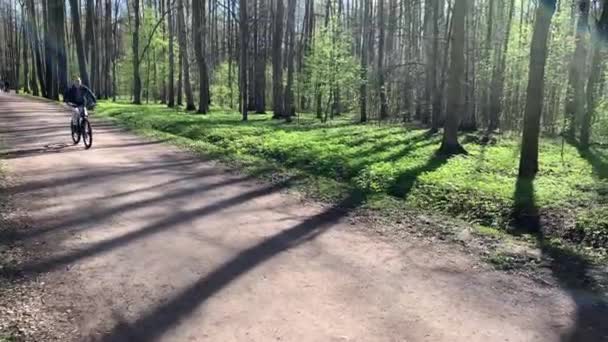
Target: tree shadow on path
point(153, 324)
point(167, 223)
point(571, 271)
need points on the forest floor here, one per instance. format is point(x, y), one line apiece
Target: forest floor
point(136, 240)
point(395, 169)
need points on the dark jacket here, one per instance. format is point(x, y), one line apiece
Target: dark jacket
point(79, 95)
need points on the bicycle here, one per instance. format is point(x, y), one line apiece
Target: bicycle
point(82, 128)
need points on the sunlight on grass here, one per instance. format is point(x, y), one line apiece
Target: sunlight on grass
point(386, 159)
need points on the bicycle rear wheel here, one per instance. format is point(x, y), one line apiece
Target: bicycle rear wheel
point(87, 133)
point(75, 132)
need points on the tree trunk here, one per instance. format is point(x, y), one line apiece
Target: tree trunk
point(26, 64)
point(62, 60)
point(80, 52)
point(575, 104)
point(49, 50)
point(171, 86)
point(136, 57)
point(435, 94)
point(498, 76)
point(108, 50)
point(289, 108)
point(17, 52)
point(277, 64)
point(183, 46)
point(487, 60)
point(594, 77)
point(180, 77)
point(381, 85)
point(425, 113)
point(528, 164)
point(260, 61)
point(114, 53)
point(450, 144)
point(198, 34)
point(90, 41)
point(37, 66)
point(243, 18)
point(364, 40)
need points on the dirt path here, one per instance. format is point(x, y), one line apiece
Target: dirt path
point(143, 242)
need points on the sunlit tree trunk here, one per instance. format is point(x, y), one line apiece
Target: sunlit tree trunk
point(450, 144)
point(244, 33)
point(171, 85)
point(289, 107)
point(183, 46)
point(136, 60)
point(198, 34)
point(575, 104)
point(528, 165)
point(277, 64)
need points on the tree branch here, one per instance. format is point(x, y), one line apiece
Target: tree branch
point(232, 14)
point(160, 21)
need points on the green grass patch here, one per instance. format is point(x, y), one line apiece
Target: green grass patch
point(392, 161)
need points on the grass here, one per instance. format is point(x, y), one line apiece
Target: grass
point(391, 161)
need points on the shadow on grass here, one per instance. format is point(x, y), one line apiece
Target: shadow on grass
point(571, 270)
point(406, 180)
point(597, 161)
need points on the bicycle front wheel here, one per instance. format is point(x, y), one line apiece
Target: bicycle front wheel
point(75, 132)
point(87, 134)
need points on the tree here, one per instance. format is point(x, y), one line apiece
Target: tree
point(24, 38)
point(528, 165)
point(33, 24)
point(183, 46)
point(364, 40)
point(171, 24)
point(62, 59)
point(135, 47)
point(435, 94)
point(576, 86)
point(108, 49)
point(90, 40)
point(82, 62)
point(289, 107)
point(600, 37)
point(244, 33)
point(277, 64)
point(498, 75)
point(50, 48)
point(381, 84)
point(198, 34)
point(450, 144)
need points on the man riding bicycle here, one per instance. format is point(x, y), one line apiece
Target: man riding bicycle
point(78, 95)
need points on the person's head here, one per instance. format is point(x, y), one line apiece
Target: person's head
point(77, 81)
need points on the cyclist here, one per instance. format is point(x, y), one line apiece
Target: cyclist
point(78, 95)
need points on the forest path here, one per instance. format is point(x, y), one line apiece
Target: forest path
point(144, 242)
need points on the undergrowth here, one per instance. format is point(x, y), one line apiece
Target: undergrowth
point(570, 192)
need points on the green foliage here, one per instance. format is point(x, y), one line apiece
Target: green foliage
point(600, 124)
point(154, 58)
point(331, 65)
point(225, 85)
point(592, 227)
point(393, 160)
